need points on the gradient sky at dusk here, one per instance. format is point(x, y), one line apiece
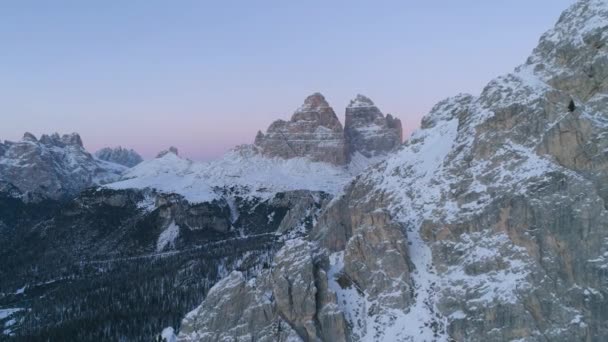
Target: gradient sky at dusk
point(205, 76)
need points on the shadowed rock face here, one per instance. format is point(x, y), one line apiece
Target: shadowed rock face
point(368, 131)
point(119, 155)
point(314, 131)
point(289, 302)
point(171, 149)
point(54, 166)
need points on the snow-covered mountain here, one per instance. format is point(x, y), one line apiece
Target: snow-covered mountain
point(165, 221)
point(244, 169)
point(54, 166)
point(489, 225)
point(290, 156)
point(119, 155)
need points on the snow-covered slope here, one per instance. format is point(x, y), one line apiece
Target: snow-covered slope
point(243, 170)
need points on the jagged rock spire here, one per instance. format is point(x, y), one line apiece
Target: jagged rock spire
point(27, 136)
point(360, 101)
point(119, 155)
point(171, 149)
point(368, 131)
point(314, 131)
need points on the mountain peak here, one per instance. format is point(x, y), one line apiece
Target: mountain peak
point(368, 131)
point(54, 166)
point(314, 132)
point(171, 150)
point(27, 136)
point(313, 102)
point(574, 50)
point(72, 139)
point(119, 155)
point(360, 101)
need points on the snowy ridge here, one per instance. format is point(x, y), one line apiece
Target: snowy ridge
point(54, 166)
point(242, 168)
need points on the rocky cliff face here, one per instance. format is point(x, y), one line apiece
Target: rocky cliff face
point(368, 131)
point(54, 166)
point(119, 155)
point(290, 302)
point(489, 225)
point(314, 131)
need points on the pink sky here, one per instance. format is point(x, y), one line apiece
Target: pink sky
point(206, 76)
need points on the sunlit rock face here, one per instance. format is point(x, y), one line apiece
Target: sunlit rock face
point(314, 131)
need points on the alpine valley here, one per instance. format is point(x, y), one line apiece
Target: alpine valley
point(490, 223)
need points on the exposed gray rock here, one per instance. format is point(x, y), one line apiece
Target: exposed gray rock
point(295, 277)
point(55, 139)
point(237, 309)
point(171, 149)
point(290, 302)
point(27, 136)
point(54, 166)
point(368, 131)
point(213, 215)
point(374, 258)
point(119, 155)
point(314, 131)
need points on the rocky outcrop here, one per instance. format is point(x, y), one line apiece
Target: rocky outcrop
point(171, 149)
point(314, 131)
point(368, 237)
point(54, 166)
point(290, 302)
point(368, 131)
point(119, 155)
point(247, 313)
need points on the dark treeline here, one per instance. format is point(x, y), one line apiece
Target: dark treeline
point(93, 273)
point(129, 300)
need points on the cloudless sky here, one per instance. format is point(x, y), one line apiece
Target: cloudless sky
point(206, 75)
